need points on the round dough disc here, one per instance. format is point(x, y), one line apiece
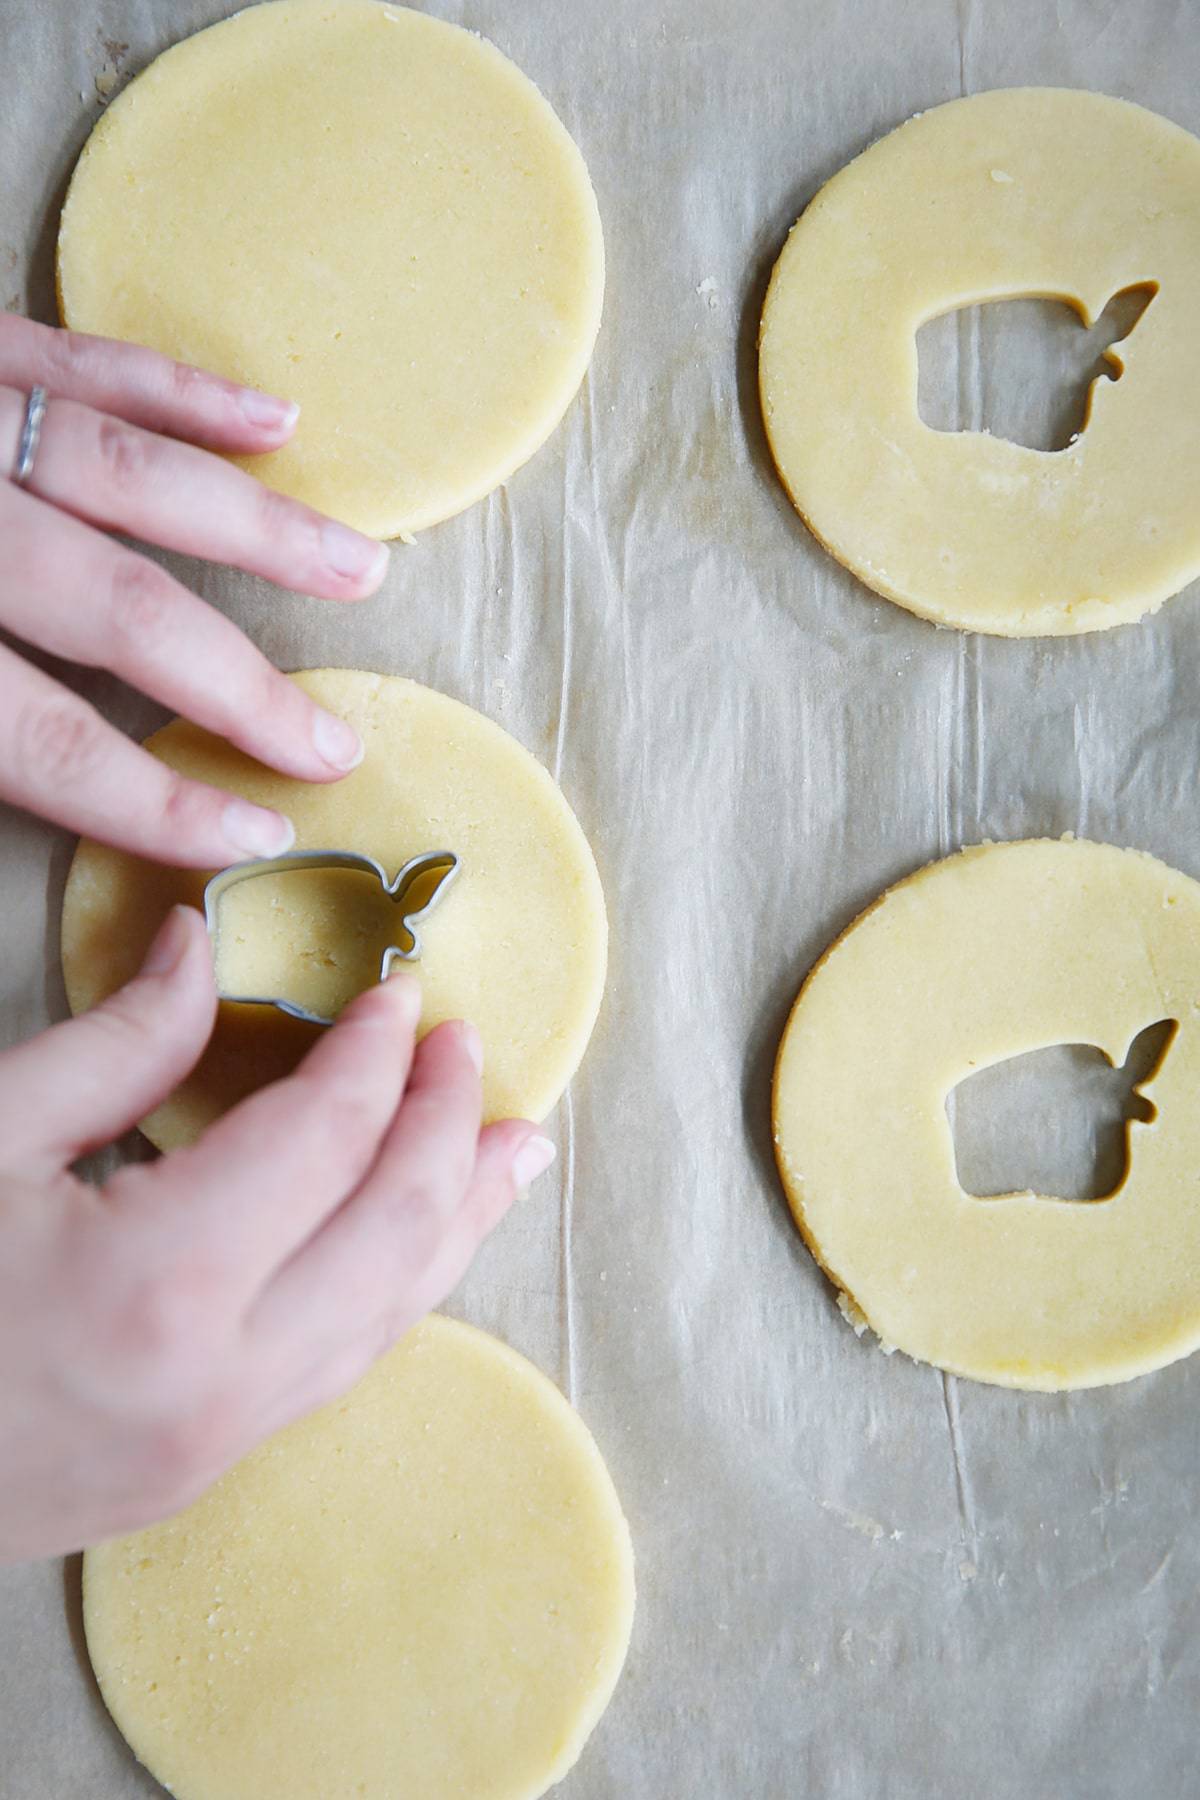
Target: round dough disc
point(998, 951)
point(1025, 191)
point(517, 945)
point(425, 1590)
point(364, 209)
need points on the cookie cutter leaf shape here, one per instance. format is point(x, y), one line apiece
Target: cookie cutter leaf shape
point(416, 890)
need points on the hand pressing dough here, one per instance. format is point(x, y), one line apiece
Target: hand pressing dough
point(517, 944)
point(1025, 191)
point(366, 210)
point(998, 951)
point(424, 1590)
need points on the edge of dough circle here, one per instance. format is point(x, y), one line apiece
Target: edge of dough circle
point(1020, 192)
point(361, 208)
point(1000, 950)
point(519, 946)
point(425, 1588)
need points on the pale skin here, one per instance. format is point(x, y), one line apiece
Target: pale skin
point(155, 1329)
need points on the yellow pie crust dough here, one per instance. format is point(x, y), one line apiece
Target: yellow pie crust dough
point(424, 1590)
point(1024, 191)
point(362, 208)
point(517, 944)
point(998, 951)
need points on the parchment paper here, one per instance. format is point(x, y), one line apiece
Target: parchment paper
point(857, 1578)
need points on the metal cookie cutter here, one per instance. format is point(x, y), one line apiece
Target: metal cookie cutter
point(439, 867)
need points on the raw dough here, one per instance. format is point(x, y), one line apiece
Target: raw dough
point(518, 943)
point(1000, 950)
point(424, 1590)
point(1025, 191)
point(362, 208)
point(315, 937)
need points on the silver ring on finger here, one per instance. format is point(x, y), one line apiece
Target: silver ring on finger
point(31, 431)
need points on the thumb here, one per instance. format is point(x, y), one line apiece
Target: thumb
point(83, 1083)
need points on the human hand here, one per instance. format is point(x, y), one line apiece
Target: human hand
point(118, 450)
point(152, 1331)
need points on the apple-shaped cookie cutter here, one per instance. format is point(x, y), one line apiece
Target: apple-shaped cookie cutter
point(423, 879)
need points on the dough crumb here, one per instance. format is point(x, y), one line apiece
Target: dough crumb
point(859, 1323)
point(853, 1314)
point(1001, 175)
point(707, 290)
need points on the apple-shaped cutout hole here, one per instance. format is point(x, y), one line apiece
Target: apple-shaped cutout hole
point(1054, 1122)
point(1024, 369)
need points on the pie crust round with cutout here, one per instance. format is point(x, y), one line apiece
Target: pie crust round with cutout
point(997, 951)
point(1023, 191)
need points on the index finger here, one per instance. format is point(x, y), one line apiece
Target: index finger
point(144, 387)
point(73, 591)
point(61, 760)
point(383, 1251)
point(261, 1180)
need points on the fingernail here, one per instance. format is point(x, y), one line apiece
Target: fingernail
point(532, 1159)
point(350, 554)
point(254, 831)
point(338, 743)
point(266, 412)
point(166, 952)
point(472, 1043)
